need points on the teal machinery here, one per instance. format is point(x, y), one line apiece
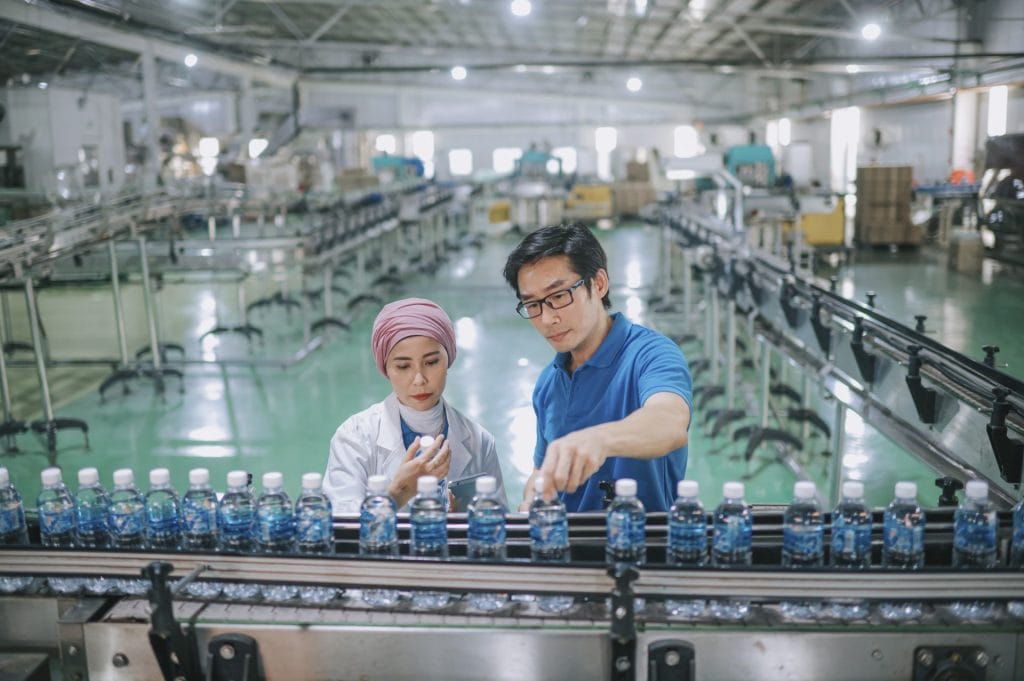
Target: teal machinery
point(402, 166)
point(538, 164)
point(753, 164)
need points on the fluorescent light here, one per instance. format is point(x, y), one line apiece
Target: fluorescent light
point(634, 84)
point(997, 110)
point(852, 69)
point(209, 147)
point(547, 69)
point(257, 146)
point(521, 8)
point(458, 73)
point(640, 7)
point(785, 132)
point(191, 60)
point(386, 143)
point(43, 85)
point(606, 139)
point(871, 31)
point(520, 68)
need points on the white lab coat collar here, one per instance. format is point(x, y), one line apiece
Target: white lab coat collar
point(390, 444)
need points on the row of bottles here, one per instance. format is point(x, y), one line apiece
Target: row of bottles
point(160, 519)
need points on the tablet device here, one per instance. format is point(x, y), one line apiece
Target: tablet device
point(463, 490)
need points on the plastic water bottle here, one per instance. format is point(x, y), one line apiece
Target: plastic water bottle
point(56, 511)
point(199, 513)
point(731, 545)
point(236, 514)
point(974, 529)
point(1017, 543)
point(733, 528)
point(13, 530)
point(851, 529)
point(378, 534)
point(275, 529)
point(92, 503)
point(275, 523)
point(903, 543)
point(163, 512)
point(549, 540)
point(428, 535)
point(687, 527)
point(687, 542)
point(426, 442)
point(803, 529)
point(126, 519)
point(314, 530)
point(626, 526)
point(486, 517)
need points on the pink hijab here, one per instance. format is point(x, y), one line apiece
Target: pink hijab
point(410, 317)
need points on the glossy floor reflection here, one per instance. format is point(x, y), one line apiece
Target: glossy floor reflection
point(270, 418)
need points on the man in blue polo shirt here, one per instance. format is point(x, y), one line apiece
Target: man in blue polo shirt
point(615, 402)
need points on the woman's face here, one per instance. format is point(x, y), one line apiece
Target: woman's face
point(417, 369)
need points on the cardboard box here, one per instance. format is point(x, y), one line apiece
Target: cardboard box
point(966, 252)
point(637, 172)
point(630, 197)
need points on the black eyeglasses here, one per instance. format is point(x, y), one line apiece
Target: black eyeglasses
point(555, 301)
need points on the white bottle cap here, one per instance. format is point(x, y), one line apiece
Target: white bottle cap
point(377, 484)
point(238, 479)
point(159, 476)
point(804, 489)
point(487, 484)
point(906, 490)
point(625, 487)
point(733, 490)
point(124, 476)
point(426, 442)
point(272, 480)
point(315, 480)
point(976, 489)
point(5, 477)
point(88, 476)
point(687, 488)
point(538, 484)
point(426, 484)
point(199, 476)
point(50, 476)
point(853, 489)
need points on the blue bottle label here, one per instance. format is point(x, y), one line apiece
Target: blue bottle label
point(902, 538)
point(803, 541)
point(91, 521)
point(315, 528)
point(56, 519)
point(976, 537)
point(12, 518)
point(1018, 535)
point(732, 534)
point(626, 531)
point(237, 524)
point(199, 516)
point(162, 522)
point(487, 530)
point(852, 541)
point(550, 535)
point(377, 526)
point(428, 534)
point(125, 520)
point(689, 538)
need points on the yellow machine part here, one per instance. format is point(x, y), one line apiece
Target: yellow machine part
point(589, 202)
point(821, 228)
point(501, 211)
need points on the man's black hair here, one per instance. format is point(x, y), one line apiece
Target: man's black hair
point(577, 242)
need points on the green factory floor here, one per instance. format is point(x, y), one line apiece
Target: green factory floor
point(272, 418)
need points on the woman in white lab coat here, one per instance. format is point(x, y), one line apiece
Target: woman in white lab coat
point(414, 345)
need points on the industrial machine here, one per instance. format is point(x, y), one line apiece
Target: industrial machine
point(1002, 197)
point(753, 164)
point(621, 622)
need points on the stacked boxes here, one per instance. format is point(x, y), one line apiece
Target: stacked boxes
point(630, 197)
point(589, 202)
point(883, 206)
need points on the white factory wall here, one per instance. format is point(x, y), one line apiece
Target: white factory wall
point(52, 125)
point(918, 135)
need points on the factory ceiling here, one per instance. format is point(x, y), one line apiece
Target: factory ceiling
point(519, 44)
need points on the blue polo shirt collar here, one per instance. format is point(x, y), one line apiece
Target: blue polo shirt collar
point(609, 348)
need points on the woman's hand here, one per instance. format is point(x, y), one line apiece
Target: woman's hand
point(434, 461)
